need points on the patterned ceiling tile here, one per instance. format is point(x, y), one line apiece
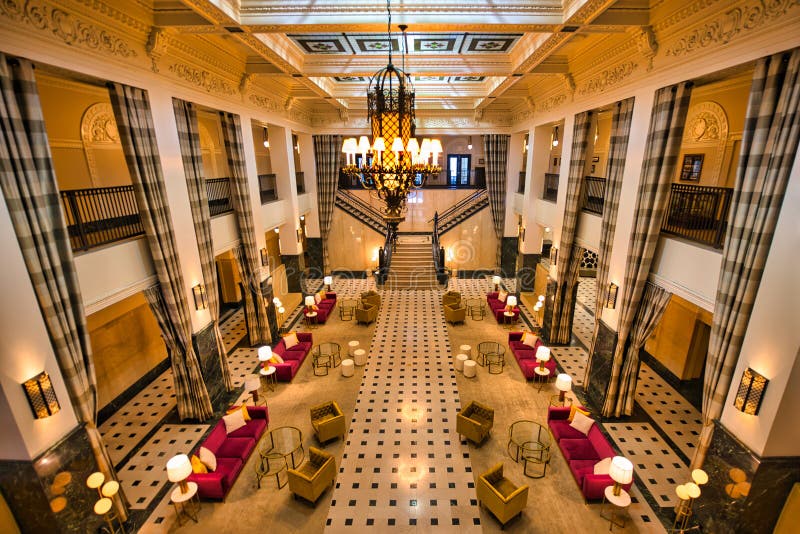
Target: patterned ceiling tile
point(322, 44)
point(372, 43)
point(430, 79)
point(436, 43)
point(497, 43)
point(350, 79)
point(461, 79)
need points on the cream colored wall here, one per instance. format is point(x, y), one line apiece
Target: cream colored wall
point(351, 245)
point(263, 163)
point(472, 244)
point(215, 161)
point(671, 340)
point(126, 344)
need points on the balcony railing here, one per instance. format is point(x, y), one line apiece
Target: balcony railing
point(266, 185)
point(300, 179)
point(698, 213)
point(101, 215)
point(550, 187)
point(594, 194)
point(521, 184)
point(219, 196)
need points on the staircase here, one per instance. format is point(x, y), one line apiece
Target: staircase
point(462, 211)
point(412, 265)
point(360, 210)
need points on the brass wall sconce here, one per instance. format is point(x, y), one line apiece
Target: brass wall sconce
point(555, 137)
point(611, 298)
point(554, 255)
point(41, 396)
point(264, 258)
point(200, 300)
point(299, 235)
point(751, 392)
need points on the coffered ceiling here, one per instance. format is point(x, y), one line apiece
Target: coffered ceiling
point(463, 55)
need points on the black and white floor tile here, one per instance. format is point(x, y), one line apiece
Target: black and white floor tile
point(241, 363)
point(573, 361)
point(233, 329)
point(587, 292)
point(675, 415)
point(583, 325)
point(409, 471)
point(146, 472)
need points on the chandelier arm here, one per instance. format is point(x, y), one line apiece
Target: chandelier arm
point(389, 29)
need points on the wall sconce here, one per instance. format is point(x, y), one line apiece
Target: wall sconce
point(264, 258)
point(469, 143)
point(611, 299)
point(554, 255)
point(751, 392)
point(200, 301)
point(496, 281)
point(277, 230)
point(302, 217)
point(266, 139)
point(41, 396)
point(555, 136)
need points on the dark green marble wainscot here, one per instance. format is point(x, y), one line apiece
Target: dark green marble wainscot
point(547, 317)
point(526, 276)
point(508, 256)
point(295, 269)
point(600, 370)
point(314, 254)
point(205, 346)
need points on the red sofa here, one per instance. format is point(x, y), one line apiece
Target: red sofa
point(498, 307)
point(292, 358)
point(581, 452)
point(325, 307)
point(232, 451)
point(526, 356)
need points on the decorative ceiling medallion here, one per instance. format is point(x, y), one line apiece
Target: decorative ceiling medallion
point(322, 44)
point(350, 79)
point(483, 44)
point(430, 78)
point(472, 79)
point(420, 43)
point(372, 44)
point(432, 43)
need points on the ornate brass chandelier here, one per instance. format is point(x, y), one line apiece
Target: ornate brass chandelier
point(395, 163)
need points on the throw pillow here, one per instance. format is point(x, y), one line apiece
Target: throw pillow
point(290, 340)
point(529, 339)
point(245, 413)
point(233, 421)
point(197, 465)
point(502, 296)
point(314, 308)
point(208, 459)
point(276, 358)
point(582, 423)
point(572, 411)
point(317, 298)
point(603, 466)
point(323, 294)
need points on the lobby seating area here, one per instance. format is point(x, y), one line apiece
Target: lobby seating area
point(293, 356)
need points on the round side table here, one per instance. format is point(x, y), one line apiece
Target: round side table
point(347, 367)
point(460, 359)
point(542, 376)
point(268, 378)
point(620, 502)
point(360, 357)
point(470, 368)
point(352, 347)
point(186, 504)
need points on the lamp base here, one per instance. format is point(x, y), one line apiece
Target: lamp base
point(184, 485)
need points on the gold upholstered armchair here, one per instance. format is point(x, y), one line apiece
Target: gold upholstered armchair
point(366, 313)
point(328, 421)
point(371, 297)
point(311, 479)
point(475, 421)
point(455, 313)
point(451, 297)
point(501, 496)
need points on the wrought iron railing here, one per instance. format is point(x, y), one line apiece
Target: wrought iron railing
point(550, 187)
point(458, 209)
point(594, 194)
point(361, 210)
point(219, 196)
point(698, 213)
point(437, 250)
point(100, 215)
point(267, 188)
point(385, 255)
point(521, 184)
point(300, 180)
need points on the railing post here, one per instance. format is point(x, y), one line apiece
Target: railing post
point(76, 216)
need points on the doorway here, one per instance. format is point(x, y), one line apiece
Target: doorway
point(458, 166)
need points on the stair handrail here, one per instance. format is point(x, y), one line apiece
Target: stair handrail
point(385, 255)
point(367, 210)
point(474, 198)
point(438, 254)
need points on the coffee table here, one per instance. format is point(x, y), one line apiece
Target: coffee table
point(271, 463)
point(347, 309)
point(489, 347)
point(324, 356)
point(286, 441)
point(476, 308)
point(495, 361)
point(529, 442)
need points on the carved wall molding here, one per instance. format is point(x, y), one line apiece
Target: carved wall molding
point(204, 79)
point(550, 103)
point(246, 82)
point(264, 102)
point(608, 78)
point(729, 25)
point(707, 130)
point(71, 29)
point(157, 45)
point(98, 132)
point(569, 82)
point(646, 43)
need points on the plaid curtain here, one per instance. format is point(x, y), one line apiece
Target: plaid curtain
point(137, 134)
point(769, 146)
point(29, 186)
point(563, 304)
point(617, 149)
point(240, 195)
point(651, 309)
point(658, 168)
point(327, 155)
point(496, 150)
point(189, 139)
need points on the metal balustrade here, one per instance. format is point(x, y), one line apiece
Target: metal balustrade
point(550, 187)
point(219, 196)
point(100, 215)
point(594, 194)
point(698, 213)
point(267, 188)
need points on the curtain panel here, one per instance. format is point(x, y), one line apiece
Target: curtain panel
point(564, 302)
point(664, 136)
point(137, 135)
point(769, 146)
point(240, 196)
point(191, 155)
point(496, 150)
point(327, 156)
point(28, 181)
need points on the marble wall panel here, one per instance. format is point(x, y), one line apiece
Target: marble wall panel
point(295, 268)
point(600, 371)
point(508, 256)
point(205, 345)
point(472, 245)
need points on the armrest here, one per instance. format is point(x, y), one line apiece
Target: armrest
point(514, 336)
point(258, 412)
point(330, 295)
point(558, 413)
point(519, 493)
point(304, 336)
point(492, 295)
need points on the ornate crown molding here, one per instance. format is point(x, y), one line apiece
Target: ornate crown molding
point(608, 78)
point(647, 44)
point(98, 132)
point(204, 79)
point(71, 29)
point(157, 45)
point(265, 102)
point(551, 103)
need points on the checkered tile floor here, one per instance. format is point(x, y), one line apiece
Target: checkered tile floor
point(573, 361)
point(241, 363)
point(404, 467)
point(587, 292)
point(233, 329)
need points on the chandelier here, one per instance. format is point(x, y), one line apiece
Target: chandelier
point(395, 163)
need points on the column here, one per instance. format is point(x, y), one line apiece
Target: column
point(509, 244)
point(313, 237)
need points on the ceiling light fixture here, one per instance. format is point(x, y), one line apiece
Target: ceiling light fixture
point(555, 136)
point(469, 143)
point(398, 163)
point(266, 139)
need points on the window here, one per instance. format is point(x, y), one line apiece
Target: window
point(458, 166)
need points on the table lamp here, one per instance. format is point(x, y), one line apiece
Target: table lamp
point(264, 354)
point(699, 476)
point(309, 301)
point(563, 384)
point(251, 384)
point(621, 472)
point(178, 469)
point(328, 280)
point(542, 355)
point(511, 301)
point(496, 282)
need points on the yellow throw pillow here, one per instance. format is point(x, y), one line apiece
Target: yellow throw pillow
point(529, 339)
point(574, 409)
point(198, 466)
point(276, 358)
point(317, 298)
point(245, 413)
point(502, 296)
point(290, 340)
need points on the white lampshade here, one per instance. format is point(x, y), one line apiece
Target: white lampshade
point(264, 353)
point(397, 145)
point(699, 476)
point(252, 383)
point(496, 280)
point(537, 306)
point(425, 148)
point(95, 480)
point(540, 298)
point(412, 146)
point(563, 382)
point(379, 145)
point(511, 300)
point(276, 301)
point(110, 488)
point(328, 280)
point(621, 470)
point(436, 146)
point(542, 354)
point(682, 492)
point(281, 309)
point(692, 489)
point(350, 145)
point(178, 468)
point(363, 144)
point(309, 300)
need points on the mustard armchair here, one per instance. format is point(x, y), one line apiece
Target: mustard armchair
point(328, 421)
point(311, 479)
point(500, 496)
point(451, 297)
point(475, 422)
point(455, 313)
point(366, 313)
point(372, 298)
